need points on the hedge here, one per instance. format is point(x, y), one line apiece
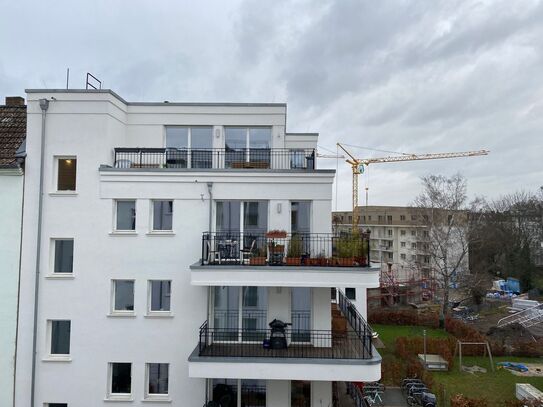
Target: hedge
point(404, 317)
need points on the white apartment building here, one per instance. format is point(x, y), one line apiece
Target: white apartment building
point(163, 241)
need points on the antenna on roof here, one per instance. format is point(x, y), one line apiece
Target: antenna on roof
point(92, 81)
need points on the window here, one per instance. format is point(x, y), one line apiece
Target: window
point(413, 257)
point(380, 218)
point(123, 296)
point(160, 293)
point(126, 215)
point(300, 393)
point(402, 256)
point(402, 244)
point(66, 173)
point(413, 233)
point(426, 233)
point(350, 218)
point(413, 245)
point(389, 218)
point(60, 337)
point(413, 217)
point(369, 217)
point(225, 392)
point(247, 147)
point(120, 379)
point(64, 256)
point(162, 215)
point(389, 232)
point(390, 256)
point(402, 232)
point(402, 217)
point(189, 147)
point(157, 379)
point(350, 293)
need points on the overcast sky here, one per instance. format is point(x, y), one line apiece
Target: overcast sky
point(407, 76)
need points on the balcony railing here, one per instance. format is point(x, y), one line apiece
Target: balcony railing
point(185, 158)
point(356, 321)
point(281, 249)
point(317, 344)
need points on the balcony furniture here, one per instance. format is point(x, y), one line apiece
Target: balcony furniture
point(246, 253)
point(213, 256)
point(123, 163)
point(228, 250)
point(176, 158)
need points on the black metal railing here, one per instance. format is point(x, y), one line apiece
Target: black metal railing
point(281, 249)
point(248, 158)
point(223, 342)
point(356, 321)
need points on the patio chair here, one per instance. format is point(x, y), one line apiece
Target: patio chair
point(246, 253)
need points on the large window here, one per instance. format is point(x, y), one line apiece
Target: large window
point(157, 379)
point(60, 337)
point(126, 215)
point(64, 255)
point(300, 393)
point(248, 147)
point(252, 392)
point(162, 215)
point(120, 379)
point(189, 147)
point(301, 314)
point(160, 295)
point(248, 311)
point(123, 296)
point(66, 174)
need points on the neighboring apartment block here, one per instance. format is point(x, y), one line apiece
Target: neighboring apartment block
point(398, 236)
point(12, 136)
point(167, 237)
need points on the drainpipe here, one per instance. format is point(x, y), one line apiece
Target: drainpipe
point(210, 191)
point(44, 105)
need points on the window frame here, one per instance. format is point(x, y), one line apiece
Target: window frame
point(119, 396)
point(155, 313)
point(152, 217)
point(121, 313)
point(115, 216)
point(155, 396)
point(56, 357)
point(52, 259)
point(56, 168)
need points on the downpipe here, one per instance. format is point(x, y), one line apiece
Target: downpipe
point(44, 106)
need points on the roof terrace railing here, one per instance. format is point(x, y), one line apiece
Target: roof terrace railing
point(219, 158)
point(277, 248)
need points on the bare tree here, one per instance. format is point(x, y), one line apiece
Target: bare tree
point(443, 209)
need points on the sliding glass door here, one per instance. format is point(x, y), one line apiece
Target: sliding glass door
point(301, 314)
point(247, 147)
point(232, 312)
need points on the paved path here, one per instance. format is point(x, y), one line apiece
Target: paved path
point(393, 397)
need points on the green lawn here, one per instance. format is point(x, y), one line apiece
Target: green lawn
point(494, 386)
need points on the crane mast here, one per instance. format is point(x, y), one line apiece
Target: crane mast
point(357, 166)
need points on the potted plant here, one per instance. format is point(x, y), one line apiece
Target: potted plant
point(294, 251)
point(345, 252)
point(360, 249)
point(258, 258)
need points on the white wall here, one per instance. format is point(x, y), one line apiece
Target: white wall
point(90, 130)
point(11, 197)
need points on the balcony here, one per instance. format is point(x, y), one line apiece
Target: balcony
point(275, 258)
point(338, 354)
point(216, 158)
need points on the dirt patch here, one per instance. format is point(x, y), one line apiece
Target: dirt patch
point(534, 370)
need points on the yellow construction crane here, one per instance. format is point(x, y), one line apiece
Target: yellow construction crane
point(358, 164)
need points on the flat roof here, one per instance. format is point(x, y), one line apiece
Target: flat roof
point(165, 103)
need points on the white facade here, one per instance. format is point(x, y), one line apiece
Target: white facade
point(87, 127)
point(11, 204)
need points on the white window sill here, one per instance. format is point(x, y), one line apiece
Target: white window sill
point(57, 358)
point(158, 314)
point(63, 193)
point(123, 397)
point(161, 233)
point(123, 233)
point(60, 276)
point(157, 399)
point(120, 314)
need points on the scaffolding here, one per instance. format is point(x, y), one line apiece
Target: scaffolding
point(402, 287)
